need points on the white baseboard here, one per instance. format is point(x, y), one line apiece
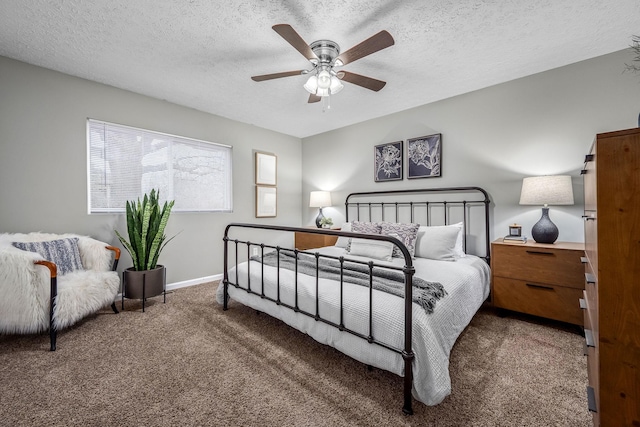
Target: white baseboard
point(185, 283)
point(192, 282)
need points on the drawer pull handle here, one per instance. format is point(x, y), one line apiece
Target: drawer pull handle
point(533, 285)
point(591, 399)
point(583, 304)
point(588, 158)
point(584, 260)
point(590, 278)
point(588, 338)
point(589, 217)
point(540, 253)
point(583, 172)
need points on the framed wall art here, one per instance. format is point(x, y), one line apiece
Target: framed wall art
point(266, 201)
point(388, 162)
point(424, 156)
point(266, 169)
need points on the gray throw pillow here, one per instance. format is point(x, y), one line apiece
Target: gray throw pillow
point(406, 233)
point(63, 252)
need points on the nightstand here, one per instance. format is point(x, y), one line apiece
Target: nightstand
point(545, 280)
point(304, 241)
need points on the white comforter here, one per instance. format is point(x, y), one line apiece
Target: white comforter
point(465, 280)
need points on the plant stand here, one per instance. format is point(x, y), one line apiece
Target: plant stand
point(144, 284)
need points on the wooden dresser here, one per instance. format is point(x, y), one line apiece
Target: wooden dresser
point(540, 279)
point(611, 299)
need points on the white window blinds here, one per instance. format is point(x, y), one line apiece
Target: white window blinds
point(124, 163)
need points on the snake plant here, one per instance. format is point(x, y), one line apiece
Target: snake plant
point(145, 226)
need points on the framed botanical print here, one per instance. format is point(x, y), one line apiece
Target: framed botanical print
point(424, 156)
point(266, 201)
point(266, 169)
point(388, 162)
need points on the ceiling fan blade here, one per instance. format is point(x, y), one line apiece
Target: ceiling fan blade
point(371, 45)
point(314, 98)
point(289, 34)
point(276, 75)
point(364, 81)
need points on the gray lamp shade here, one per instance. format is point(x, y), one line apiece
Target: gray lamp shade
point(546, 190)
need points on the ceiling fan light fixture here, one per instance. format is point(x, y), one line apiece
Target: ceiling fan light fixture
point(324, 79)
point(322, 92)
point(325, 56)
point(311, 85)
point(336, 85)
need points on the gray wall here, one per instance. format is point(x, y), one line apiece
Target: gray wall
point(542, 124)
point(539, 125)
point(43, 172)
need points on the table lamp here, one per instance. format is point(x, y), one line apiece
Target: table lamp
point(546, 190)
point(319, 199)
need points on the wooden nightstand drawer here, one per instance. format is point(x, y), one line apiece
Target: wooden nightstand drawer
point(552, 302)
point(539, 264)
point(304, 241)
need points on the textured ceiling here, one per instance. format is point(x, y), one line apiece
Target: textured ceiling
point(201, 54)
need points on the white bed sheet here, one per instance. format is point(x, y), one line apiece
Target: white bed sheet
point(465, 280)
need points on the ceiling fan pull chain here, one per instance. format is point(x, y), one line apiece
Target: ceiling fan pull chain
point(326, 103)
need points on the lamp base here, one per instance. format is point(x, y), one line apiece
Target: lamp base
point(319, 218)
point(545, 231)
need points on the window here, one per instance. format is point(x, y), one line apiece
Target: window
point(126, 162)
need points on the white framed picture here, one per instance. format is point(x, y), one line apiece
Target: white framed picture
point(266, 201)
point(266, 169)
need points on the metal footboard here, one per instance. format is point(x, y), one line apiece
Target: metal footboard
point(258, 289)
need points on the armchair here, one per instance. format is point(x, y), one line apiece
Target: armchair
point(51, 281)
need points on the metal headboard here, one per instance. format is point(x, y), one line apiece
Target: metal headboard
point(391, 206)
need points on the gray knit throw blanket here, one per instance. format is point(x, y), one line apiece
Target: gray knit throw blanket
point(426, 294)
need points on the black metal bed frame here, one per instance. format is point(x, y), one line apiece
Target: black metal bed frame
point(408, 270)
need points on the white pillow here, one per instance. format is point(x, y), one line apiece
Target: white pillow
point(459, 249)
point(376, 249)
point(342, 242)
point(437, 242)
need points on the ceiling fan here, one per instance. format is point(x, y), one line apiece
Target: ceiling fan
point(325, 56)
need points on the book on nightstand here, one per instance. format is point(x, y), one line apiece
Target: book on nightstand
point(515, 239)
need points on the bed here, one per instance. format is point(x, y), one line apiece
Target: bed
point(341, 296)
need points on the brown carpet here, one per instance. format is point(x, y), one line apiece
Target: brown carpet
point(187, 362)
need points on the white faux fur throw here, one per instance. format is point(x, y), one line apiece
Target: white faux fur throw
point(25, 286)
